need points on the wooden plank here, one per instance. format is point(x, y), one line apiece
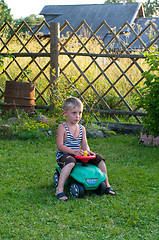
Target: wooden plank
point(29, 54)
point(123, 127)
point(120, 112)
point(98, 55)
point(54, 55)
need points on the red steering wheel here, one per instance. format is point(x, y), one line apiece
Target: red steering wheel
point(85, 159)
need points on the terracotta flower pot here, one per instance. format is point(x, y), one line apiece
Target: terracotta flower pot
point(149, 140)
point(156, 141)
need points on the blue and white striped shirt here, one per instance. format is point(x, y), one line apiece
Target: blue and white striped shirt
point(70, 142)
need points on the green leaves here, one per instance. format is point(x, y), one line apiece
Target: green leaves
point(150, 93)
point(5, 12)
point(2, 61)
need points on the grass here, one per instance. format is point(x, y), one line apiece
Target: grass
point(30, 210)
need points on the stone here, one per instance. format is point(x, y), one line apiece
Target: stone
point(13, 119)
point(156, 141)
point(99, 134)
point(5, 128)
point(95, 134)
point(149, 140)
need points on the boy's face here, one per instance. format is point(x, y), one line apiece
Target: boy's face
point(74, 114)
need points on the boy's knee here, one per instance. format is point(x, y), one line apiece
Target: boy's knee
point(70, 160)
point(71, 164)
point(99, 157)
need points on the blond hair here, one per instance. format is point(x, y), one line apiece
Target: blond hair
point(72, 102)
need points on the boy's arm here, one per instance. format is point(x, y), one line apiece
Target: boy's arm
point(61, 132)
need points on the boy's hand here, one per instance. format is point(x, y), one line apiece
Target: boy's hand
point(89, 153)
point(78, 152)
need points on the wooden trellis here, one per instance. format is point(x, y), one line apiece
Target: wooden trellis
point(42, 50)
point(116, 48)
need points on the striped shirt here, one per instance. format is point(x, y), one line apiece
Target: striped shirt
point(70, 142)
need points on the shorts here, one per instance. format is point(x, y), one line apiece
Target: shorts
point(68, 158)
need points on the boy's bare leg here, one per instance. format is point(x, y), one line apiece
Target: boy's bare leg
point(103, 168)
point(65, 172)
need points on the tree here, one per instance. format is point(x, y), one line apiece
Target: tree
point(5, 12)
point(5, 15)
point(151, 7)
point(119, 1)
point(32, 20)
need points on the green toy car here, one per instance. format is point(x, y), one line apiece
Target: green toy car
point(84, 176)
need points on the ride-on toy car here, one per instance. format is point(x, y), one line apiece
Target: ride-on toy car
point(84, 176)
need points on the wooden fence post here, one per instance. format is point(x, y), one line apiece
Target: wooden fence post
point(54, 55)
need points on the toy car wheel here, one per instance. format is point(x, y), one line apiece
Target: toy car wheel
point(56, 178)
point(77, 190)
point(101, 189)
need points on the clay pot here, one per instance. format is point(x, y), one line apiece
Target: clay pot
point(156, 141)
point(149, 140)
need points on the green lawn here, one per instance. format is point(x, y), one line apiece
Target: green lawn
point(30, 210)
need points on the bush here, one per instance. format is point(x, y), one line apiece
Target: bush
point(150, 94)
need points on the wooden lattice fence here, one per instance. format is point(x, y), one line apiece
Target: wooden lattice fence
point(104, 73)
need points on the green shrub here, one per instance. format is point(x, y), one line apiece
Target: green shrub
point(150, 94)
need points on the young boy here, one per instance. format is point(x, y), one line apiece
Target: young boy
point(70, 136)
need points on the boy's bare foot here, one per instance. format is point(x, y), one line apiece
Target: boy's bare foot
point(62, 196)
point(110, 191)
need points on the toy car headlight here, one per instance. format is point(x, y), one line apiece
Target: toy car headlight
point(91, 181)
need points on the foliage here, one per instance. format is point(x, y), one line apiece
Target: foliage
point(61, 90)
point(30, 210)
point(24, 127)
point(5, 12)
point(118, 1)
point(2, 61)
point(151, 7)
point(1, 64)
point(32, 20)
point(150, 93)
